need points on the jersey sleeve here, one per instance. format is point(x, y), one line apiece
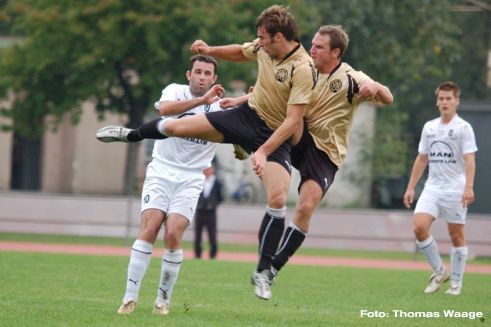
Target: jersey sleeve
point(468, 140)
point(423, 144)
point(302, 84)
point(169, 93)
point(250, 49)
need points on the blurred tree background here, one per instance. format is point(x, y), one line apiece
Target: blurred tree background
point(120, 54)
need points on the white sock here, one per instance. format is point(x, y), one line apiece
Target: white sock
point(141, 253)
point(171, 264)
point(458, 259)
point(430, 250)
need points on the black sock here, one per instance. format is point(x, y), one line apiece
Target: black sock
point(146, 131)
point(292, 240)
point(269, 238)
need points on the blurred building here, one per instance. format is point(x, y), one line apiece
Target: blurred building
point(70, 160)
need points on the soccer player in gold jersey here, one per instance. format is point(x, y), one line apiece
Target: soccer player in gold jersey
point(321, 146)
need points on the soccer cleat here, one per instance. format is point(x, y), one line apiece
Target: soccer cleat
point(127, 307)
point(161, 308)
point(262, 282)
point(240, 153)
point(436, 280)
point(454, 289)
point(113, 134)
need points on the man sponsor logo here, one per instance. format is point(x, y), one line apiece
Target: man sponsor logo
point(441, 152)
point(336, 85)
point(281, 75)
point(146, 199)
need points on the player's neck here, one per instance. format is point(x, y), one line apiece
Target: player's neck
point(330, 67)
point(447, 118)
point(287, 49)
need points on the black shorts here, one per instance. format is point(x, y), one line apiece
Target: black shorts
point(243, 126)
point(313, 163)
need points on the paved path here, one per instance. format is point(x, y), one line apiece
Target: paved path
point(232, 256)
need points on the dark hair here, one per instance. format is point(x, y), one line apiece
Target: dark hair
point(448, 86)
point(278, 19)
point(339, 39)
point(203, 58)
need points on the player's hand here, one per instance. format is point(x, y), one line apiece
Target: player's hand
point(368, 90)
point(258, 159)
point(408, 198)
point(200, 46)
point(227, 103)
point(213, 94)
point(467, 197)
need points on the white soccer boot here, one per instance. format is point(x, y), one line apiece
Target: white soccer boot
point(262, 282)
point(454, 289)
point(436, 280)
point(161, 308)
point(113, 134)
point(127, 307)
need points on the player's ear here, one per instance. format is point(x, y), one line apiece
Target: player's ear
point(215, 77)
point(188, 75)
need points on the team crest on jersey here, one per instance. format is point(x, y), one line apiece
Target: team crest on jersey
point(450, 133)
point(336, 85)
point(281, 75)
point(207, 108)
point(146, 198)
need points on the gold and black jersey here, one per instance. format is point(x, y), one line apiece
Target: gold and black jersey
point(334, 103)
point(280, 83)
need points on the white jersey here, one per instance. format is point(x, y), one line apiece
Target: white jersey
point(174, 155)
point(446, 145)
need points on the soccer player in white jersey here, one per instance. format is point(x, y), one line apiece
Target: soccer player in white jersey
point(448, 147)
point(173, 183)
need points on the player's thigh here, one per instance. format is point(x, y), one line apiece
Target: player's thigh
point(175, 225)
point(151, 222)
point(276, 180)
point(309, 197)
point(427, 204)
point(197, 126)
point(185, 197)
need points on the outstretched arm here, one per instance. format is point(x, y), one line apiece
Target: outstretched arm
point(227, 103)
point(169, 108)
point(231, 52)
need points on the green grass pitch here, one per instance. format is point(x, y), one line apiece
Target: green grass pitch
point(77, 290)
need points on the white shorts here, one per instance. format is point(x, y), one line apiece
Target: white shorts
point(447, 206)
point(178, 195)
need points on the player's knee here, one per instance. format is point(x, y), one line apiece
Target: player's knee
point(304, 211)
point(277, 200)
point(172, 238)
point(171, 128)
point(457, 239)
point(420, 232)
